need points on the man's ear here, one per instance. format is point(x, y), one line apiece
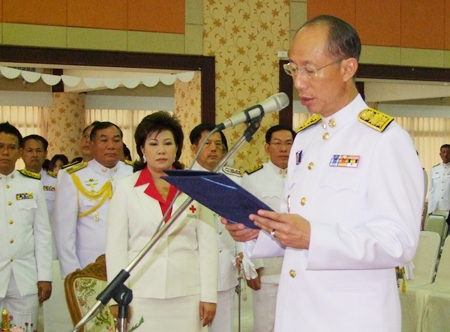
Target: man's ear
point(349, 68)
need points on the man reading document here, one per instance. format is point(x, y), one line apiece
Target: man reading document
point(351, 207)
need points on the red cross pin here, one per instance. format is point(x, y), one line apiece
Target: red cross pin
point(192, 208)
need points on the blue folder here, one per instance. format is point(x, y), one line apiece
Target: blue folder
point(218, 193)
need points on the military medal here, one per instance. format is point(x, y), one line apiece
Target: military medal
point(339, 160)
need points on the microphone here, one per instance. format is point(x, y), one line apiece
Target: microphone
point(274, 103)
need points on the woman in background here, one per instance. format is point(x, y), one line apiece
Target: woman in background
point(175, 284)
point(57, 162)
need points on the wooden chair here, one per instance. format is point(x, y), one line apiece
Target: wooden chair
point(81, 288)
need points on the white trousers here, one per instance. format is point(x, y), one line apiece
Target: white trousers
point(24, 309)
point(223, 320)
point(264, 306)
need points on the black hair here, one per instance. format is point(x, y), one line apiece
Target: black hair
point(445, 146)
point(156, 123)
point(276, 128)
point(196, 134)
point(343, 40)
point(7, 128)
point(89, 126)
point(57, 157)
point(103, 125)
point(36, 138)
point(126, 152)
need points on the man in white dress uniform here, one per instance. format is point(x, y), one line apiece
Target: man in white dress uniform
point(207, 160)
point(25, 237)
point(439, 195)
point(352, 204)
point(82, 198)
point(34, 153)
point(266, 182)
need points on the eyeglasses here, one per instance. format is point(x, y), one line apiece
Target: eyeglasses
point(308, 71)
point(278, 145)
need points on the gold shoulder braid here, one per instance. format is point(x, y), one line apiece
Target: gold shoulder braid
point(254, 169)
point(104, 193)
point(52, 174)
point(310, 122)
point(70, 164)
point(128, 162)
point(29, 174)
point(76, 167)
point(375, 119)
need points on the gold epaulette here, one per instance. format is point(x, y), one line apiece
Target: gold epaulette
point(29, 174)
point(129, 162)
point(375, 119)
point(436, 165)
point(254, 169)
point(70, 164)
point(76, 167)
point(231, 171)
point(310, 122)
point(52, 174)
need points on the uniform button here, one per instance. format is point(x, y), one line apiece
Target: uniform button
point(12, 176)
point(325, 136)
point(303, 201)
point(220, 233)
point(11, 222)
point(9, 203)
point(220, 250)
point(292, 273)
point(7, 186)
point(11, 241)
point(11, 259)
point(310, 166)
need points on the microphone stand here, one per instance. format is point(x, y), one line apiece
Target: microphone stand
point(115, 287)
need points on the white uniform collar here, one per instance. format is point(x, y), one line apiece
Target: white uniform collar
point(198, 167)
point(342, 117)
point(11, 175)
point(100, 169)
point(276, 169)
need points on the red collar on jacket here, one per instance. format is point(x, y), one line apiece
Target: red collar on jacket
point(146, 178)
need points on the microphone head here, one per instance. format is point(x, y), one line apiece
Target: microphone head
point(275, 103)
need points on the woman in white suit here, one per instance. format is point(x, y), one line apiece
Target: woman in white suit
point(175, 285)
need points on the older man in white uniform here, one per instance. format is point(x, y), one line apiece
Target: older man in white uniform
point(82, 198)
point(353, 199)
point(266, 182)
point(207, 160)
point(25, 237)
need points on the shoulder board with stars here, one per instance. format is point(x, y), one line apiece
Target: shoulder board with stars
point(310, 122)
point(70, 164)
point(128, 162)
point(375, 119)
point(52, 174)
point(29, 174)
point(254, 169)
point(76, 167)
point(231, 171)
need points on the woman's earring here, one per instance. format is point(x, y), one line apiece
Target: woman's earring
point(144, 159)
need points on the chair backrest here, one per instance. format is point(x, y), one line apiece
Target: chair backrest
point(443, 270)
point(426, 257)
point(436, 223)
point(81, 288)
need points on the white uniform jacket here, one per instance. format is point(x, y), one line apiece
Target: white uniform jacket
point(49, 185)
point(80, 239)
point(183, 262)
point(439, 196)
point(25, 234)
point(365, 221)
point(228, 248)
point(267, 185)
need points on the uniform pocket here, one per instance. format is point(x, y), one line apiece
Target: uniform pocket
point(338, 180)
point(27, 204)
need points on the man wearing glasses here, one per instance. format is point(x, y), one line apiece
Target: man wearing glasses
point(266, 182)
point(352, 204)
